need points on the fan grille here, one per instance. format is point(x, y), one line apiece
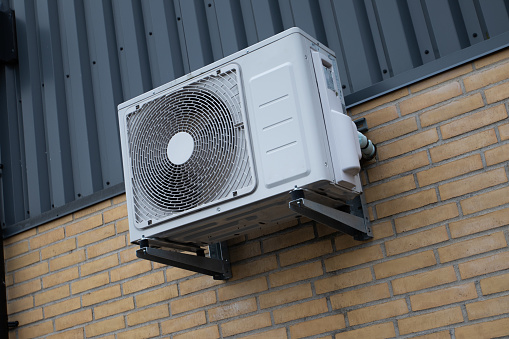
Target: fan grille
point(210, 111)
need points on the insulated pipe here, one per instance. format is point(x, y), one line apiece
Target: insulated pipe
point(368, 149)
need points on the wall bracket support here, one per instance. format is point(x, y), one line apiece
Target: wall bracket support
point(354, 222)
point(217, 265)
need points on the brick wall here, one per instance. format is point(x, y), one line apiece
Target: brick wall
point(438, 266)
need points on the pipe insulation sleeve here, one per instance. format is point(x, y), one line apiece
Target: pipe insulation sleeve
point(368, 149)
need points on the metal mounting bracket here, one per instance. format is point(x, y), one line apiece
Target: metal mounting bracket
point(217, 265)
point(354, 222)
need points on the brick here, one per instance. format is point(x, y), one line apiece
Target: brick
point(398, 166)
point(77, 333)
point(246, 324)
point(96, 235)
point(20, 236)
point(317, 326)
point(62, 307)
point(115, 213)
point(59, 248)
point(299, 273)
point(143, 282)
point(486, 330)
point(115, 307)
point(306, 252)
point(436, 335)
point(472, 183)
point(443, 296)
point(67, 260)
point(70, 320)
point(498, 283)
point(450, 170)
point(389, 189)
point(175, 273)
point(488, 308)
point(392, 131)
point(60, 277)
point(245, 251)
point(211, 332)
point(404, 264)
point(83, 225)
point(106, 246)
point(122, 225)
point(92, 209)
point(98, 265)
point(52, 295)
point(47, 238)
point(254, 267)
point(440, 78)
point(503, 131)
point(279, 333)
point(377, 312)
point(55, 223)
point(472, 247)
point(119, 199)
point(28, 317)
point(161, 294)
point(197, 284)
point(430, 320)
point(20, 290)
point(486, 77)
point(242, 289)
point(19, 305)
point(184, 322)
point(380, 231)
point(420, 281)
point(406, 203)
point(101, 295)
point(464, 145)
point(302, 310)
point(473, 121)
point(86, 284)
point(497, 93)
point(497, 155)
point(360, 296)
point(285, 296)
point(130, 270)
point(426, 217)
point(451, 109)
point(408, 144)
point(353, 258)
point(429, 98)
point(31, 272)
point(491, 58)
point(340, 281)
point(23, 261)
point(148, 331)
point(15, 249)
point(193, 302)
point(288, 239)
point(392, 96)
point(379, 331)
point(147, 315)
point(37, 330)
point(104, 326)
point(232, 310)
point(484, 201)
point(381, 116)
point(416, 240)
point(128, 255)
point(489, 264)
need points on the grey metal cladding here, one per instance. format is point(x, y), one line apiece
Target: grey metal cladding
point(78, 59)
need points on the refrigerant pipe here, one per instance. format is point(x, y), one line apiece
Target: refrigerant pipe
point(368, 149)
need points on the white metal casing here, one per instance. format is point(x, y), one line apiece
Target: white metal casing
point(298, 136)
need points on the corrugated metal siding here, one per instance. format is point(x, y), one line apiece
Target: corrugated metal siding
point(79, 59)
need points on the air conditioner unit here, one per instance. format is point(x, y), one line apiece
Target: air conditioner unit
point(215, 153)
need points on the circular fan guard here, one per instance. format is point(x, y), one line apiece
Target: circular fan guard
point(210, 111)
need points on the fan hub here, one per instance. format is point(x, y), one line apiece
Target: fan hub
point(180, 148)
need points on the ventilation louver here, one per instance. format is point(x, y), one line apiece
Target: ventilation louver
point(188, 148)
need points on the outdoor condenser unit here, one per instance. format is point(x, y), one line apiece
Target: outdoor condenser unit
point(215, 153)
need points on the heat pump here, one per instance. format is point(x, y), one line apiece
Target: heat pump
point(215, 153)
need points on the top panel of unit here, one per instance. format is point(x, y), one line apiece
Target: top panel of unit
point(225, 60)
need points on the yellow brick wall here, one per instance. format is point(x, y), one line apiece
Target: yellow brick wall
point(438, 266)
